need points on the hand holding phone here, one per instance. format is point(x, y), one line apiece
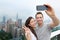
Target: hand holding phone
point(41, 7)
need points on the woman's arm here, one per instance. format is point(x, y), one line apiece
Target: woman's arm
point(28, 36)
point(27, 33)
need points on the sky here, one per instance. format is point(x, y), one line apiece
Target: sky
point(26, 8)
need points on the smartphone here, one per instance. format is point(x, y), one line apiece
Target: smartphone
point(41, 8)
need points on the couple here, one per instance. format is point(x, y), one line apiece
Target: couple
point(42, 31)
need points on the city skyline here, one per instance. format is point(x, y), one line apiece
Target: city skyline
point(25, 8)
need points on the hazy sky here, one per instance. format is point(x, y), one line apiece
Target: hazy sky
point(25, 8)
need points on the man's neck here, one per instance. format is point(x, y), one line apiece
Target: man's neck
point(40, 25)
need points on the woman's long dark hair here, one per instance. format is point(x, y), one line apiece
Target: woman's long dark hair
point(27, 25)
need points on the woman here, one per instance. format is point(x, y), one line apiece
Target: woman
point(29, 29)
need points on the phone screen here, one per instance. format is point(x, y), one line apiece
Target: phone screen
point(41, 8)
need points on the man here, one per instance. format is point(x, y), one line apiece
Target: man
point(43, 30)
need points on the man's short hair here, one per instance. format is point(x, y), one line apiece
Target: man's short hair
point(39, 13)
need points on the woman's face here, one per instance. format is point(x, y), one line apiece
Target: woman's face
point(32, 23)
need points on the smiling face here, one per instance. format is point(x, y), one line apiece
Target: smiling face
point(32, 23)
point(39, 18)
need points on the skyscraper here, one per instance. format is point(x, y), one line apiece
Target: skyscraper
point(4, 19)
point(20, 23)
point(3, 22)
point(17, 17)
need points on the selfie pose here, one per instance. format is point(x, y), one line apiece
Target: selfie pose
point(29, 27)
point(43, 30)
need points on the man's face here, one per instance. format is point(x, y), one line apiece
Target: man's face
point(39, 18)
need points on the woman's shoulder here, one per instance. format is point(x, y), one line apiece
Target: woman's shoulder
point(33, 36)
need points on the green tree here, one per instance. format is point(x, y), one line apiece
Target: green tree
point(4, 35)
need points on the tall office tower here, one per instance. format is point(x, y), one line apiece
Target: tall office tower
point(15, 32)
point(10, 26)
point(17, 16)
point(20, 23)
point(0, 26)
point(4, 19)
point(3, 22)
point(20, 34)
